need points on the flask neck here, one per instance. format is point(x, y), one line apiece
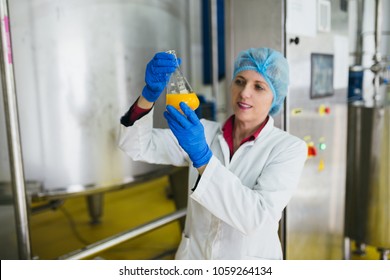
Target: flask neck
point(177, 82)
point(173, 52)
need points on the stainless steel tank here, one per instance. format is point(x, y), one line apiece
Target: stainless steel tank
point(367, 216)
point(79, 65)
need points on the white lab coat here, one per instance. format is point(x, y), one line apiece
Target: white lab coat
point(235, 209)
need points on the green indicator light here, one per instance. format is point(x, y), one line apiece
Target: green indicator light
point(322, 146)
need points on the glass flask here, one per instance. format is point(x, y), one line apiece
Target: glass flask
point(179, 90)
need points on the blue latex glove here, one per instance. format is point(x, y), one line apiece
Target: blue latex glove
point(157, 74)
point(190, 133)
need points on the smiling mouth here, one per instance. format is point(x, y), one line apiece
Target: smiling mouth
point(243, 106)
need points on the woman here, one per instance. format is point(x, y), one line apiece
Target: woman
point(242, 174)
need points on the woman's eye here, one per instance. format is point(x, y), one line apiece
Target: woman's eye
point(259, 87)
point(239, 82)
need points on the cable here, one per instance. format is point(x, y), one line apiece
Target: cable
point(73, 226)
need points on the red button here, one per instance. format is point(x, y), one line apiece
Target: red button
point(311, 151)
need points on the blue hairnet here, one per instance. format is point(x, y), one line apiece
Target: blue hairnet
point(272, 65)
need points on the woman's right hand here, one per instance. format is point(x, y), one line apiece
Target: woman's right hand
point(157, 74)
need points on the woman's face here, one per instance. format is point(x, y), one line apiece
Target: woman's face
point(251, 98)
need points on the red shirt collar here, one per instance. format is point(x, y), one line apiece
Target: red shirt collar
point(227, 130)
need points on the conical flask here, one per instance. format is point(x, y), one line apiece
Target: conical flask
point(179, 90)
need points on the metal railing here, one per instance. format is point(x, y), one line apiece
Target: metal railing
point(114, 240)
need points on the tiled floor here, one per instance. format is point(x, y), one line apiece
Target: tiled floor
point(55, 233)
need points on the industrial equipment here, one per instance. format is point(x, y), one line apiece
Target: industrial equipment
point(78, 66)
point(367, 212)
point(317, 112)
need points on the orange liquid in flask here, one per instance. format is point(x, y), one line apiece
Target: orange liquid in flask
point(190, 99)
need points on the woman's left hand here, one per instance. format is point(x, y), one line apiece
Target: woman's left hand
point(190, 133)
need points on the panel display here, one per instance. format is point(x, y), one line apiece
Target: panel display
point(321, 75)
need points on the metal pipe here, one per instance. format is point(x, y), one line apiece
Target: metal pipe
point(229, 49)
point(378, 26)
point(13, 136)
point(107, 243)
point(359, 34)
point(347, 248)
point(214, 48)
point(376, 68)
point(77, 190)
point(284, 126)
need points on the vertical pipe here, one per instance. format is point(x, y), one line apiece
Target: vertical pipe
point(13, 135)
point(229, 46)
point(347, 248)
point(359, 34)
point(378, 30)
point(214, 49)
point(376, 68)
point(190, 31)
point(284, 124)
point(285, 115)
